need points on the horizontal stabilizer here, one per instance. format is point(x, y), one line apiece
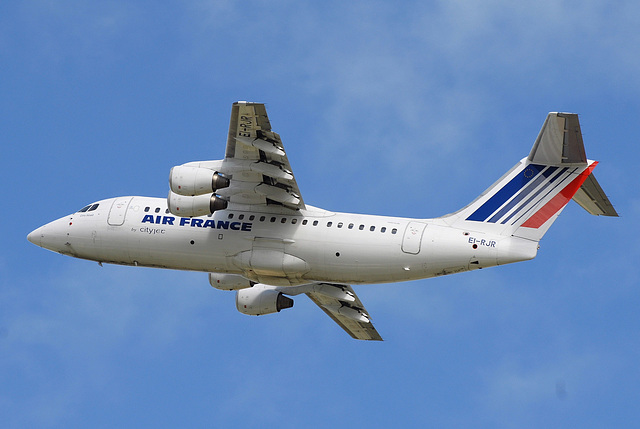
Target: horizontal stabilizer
point(592, 198)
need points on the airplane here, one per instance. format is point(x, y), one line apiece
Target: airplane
point(243, 220)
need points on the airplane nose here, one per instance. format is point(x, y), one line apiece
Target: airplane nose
point(52, 236)
point(35, 236)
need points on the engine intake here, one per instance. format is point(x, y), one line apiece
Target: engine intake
point(199, 205)
point(190, 181)
point(261, 299)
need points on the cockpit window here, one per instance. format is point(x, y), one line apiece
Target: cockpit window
point(89, 208)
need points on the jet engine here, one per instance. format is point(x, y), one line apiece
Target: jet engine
point(261, 299)
point(229, 281)
point(199, 205)
point(189, 181)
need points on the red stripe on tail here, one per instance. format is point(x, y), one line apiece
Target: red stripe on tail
point(559, 201)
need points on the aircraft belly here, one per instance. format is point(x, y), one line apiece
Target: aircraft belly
point(271, 263)
point(355, 262)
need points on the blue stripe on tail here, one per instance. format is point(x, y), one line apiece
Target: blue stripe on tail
point(548, 186)
point(507, 191)
point(541, 178)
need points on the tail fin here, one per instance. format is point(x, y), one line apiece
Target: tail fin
point(529, 197)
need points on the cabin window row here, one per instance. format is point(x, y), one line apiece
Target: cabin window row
point(273, 219)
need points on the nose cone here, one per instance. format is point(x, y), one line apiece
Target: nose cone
point(53, 236)
point(35, 236)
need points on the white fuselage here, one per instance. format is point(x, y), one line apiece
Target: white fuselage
point(281, 249)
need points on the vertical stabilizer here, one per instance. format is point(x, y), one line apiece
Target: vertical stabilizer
point(529, 197)
point(559, 141)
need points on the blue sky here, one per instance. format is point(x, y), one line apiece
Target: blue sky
point(394, 108)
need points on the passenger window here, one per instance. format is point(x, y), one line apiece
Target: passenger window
point(304, 222)
point(361, 227)
point(329, 224)
point(146, 209)
point(383, 229)
point(394, 230)
point(252, 217)
point(339, 224)
point(350, 226)
point(294, 221)
point(315, 223)
point(262, 218)
point(273, 219)
point(373, 228)
point(230, 216)
point(157, 209)
point(283, 220)
point(241, 217)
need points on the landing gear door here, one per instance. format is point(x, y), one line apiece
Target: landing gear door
point(118, 211)
point(413, 237)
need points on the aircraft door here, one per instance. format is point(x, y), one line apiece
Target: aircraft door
point(118, 211)
point(413, 237)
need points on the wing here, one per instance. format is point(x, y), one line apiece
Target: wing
point(256, 162)
point(341, 303)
